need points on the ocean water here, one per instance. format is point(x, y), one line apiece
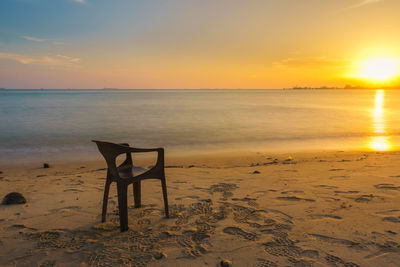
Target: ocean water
point(36, 124)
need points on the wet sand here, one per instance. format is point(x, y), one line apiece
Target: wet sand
point(253, 209)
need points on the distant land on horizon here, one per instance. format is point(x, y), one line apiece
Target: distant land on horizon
point(348, 87)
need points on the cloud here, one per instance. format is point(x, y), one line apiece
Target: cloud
point(310, 62)
point(59, 60)
point(364, 3)
point(34, 39)
point(69, 59)
point(59, 43)
point(40, 40)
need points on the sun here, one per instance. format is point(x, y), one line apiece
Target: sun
point(379, 69)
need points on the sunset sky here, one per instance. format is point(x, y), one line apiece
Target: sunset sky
point(195, 43)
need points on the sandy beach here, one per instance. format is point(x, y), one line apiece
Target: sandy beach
point(253, 209)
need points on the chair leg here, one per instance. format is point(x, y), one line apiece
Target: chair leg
point(105, 200)
point(137, 194)
point(123, 206)
point(164, 189)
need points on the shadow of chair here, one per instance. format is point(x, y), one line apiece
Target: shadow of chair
point(123, 176)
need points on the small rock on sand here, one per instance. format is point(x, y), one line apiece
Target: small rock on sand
point(225, 263)
point(275, 161)
point(290, 158)
point(13, 198)
point(256, 172)
point(158, 255)
point(46, 165)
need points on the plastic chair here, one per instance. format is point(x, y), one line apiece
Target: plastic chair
point(123, 176)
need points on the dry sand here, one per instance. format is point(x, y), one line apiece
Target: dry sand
point(254, 209)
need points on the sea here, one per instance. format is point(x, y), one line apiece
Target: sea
point(60, 124)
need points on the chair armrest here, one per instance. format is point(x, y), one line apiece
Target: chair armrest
point(160, 154)
point(123, 144)
point(142, 150)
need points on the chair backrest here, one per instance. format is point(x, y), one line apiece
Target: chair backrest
point(110, 152)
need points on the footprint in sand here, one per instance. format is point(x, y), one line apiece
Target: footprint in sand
point(347, 192)
point(392, 219)
point(344, 160)
point(239, 232)
point(322, 216)
point(300, 262)
point(73, 190)
point(310, 253)
point(387, 186)
point(366, 198)
point(192, 197)
point(47, 263)
point(224, 188)
point(21, 226)
point(326, 186)
point(335, 240)
point(293, 192)
point(387, 247)
point(265, 263)
point(338, 261)
point(66, 209)
point(192, 244)
point(281, 250)
point(388, 212)
point(242, 214)
point(282, 246)
point(179, 182)
point(56, 239)
point(294, 198)
point(250, 201)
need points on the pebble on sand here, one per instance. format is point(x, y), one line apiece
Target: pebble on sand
point(290, 158)
point(256, 172)
point(13, 198)
point(225, 263)
point(46, 165)
point(158, 255)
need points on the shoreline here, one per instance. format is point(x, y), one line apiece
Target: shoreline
point(318, 208)
point(90, 153)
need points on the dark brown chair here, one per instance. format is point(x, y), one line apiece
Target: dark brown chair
point(123, 176)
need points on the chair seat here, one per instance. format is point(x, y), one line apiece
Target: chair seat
point(127, 171)
point(139, 169)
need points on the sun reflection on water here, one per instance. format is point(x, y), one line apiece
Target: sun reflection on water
point(379, 142)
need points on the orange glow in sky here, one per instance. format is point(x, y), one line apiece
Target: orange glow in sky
point(198, 44)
